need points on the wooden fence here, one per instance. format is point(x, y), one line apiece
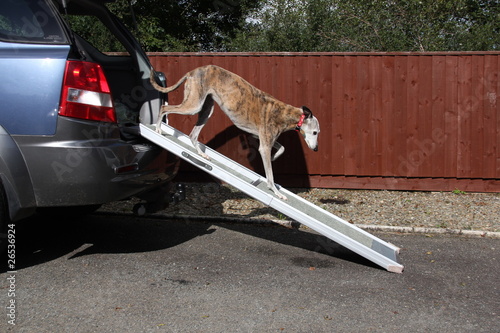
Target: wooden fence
point(400, 121)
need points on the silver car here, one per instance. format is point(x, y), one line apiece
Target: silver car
point(69, 113)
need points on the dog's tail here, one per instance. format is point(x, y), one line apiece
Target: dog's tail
point(163, 89)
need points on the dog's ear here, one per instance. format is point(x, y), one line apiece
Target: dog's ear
point(307, 112)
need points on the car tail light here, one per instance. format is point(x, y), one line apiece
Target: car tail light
point(86, 93)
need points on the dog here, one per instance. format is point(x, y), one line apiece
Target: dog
point(249, 108)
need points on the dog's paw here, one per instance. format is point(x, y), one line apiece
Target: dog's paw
point(281, 196)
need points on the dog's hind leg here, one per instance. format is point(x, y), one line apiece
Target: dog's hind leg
point(278, 146)
point(203, 116)
point(191, 104)
point(160, 119)
point(280, 150)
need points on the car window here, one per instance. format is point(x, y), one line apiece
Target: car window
point(94, 32)
point(31, 21)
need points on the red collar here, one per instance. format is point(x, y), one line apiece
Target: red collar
point(301, 121)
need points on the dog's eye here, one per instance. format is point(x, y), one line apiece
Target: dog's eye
point(315, 133)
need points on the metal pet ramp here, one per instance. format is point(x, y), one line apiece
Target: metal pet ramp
point(254, 185)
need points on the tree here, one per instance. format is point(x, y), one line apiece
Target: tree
point(181, 25)
point(280, 25)
point(190, 25)
point(376, 25)
point(306, 25)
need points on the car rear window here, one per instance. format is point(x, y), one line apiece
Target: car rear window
point(92, 30)
point(30, 21)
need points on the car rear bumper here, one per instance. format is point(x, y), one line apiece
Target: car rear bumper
point(87, 163)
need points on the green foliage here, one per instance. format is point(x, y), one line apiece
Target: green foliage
point(94, 31)
point(182, 25)
point(305, 25)
point(387, 25)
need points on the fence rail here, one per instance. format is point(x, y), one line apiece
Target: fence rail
point(401, 121)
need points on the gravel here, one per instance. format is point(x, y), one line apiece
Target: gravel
point(455, 210)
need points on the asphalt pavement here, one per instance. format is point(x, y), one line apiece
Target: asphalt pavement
point(115, 273)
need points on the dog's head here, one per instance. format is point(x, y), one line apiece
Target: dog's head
point(310, 129)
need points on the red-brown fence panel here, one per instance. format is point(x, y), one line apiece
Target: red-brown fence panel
point(402, 121)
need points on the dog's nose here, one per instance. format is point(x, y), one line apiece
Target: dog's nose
point(315, 149)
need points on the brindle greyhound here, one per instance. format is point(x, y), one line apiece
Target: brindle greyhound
point(249, 108)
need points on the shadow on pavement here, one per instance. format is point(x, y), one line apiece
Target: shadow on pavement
point(301, 239)
point(39, 240)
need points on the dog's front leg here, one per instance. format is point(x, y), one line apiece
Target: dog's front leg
point(265, 153)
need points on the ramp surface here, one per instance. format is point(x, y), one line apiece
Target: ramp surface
point(299, 209)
